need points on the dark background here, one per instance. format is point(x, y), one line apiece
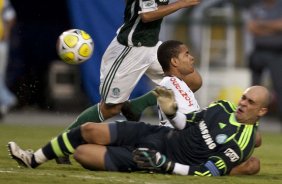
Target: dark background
point(33, 48)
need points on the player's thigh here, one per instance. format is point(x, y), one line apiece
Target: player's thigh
point(116, 133)
point(121, 69)
point(132, 133)
point(96, 133)
point(91, 156)
point(119, 159)
point(155, 72)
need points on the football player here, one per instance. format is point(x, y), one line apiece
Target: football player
point(215, 141)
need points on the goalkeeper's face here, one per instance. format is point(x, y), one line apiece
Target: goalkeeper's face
point(185, 60)
point(252, 105)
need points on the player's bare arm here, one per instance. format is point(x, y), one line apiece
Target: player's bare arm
point(165, 10)
point(249, 167)
point(258, 140)
point(194, 81)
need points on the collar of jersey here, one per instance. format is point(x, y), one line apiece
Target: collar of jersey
point(234, 122)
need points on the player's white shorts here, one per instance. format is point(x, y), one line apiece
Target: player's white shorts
point(122, 67)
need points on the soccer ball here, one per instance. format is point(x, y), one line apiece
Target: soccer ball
point(75, 46)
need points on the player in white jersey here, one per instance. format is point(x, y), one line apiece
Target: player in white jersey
point(184, 97)
point(130, 55)
point(177, 63)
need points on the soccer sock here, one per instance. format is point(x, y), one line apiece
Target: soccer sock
point(138, 105)
point(63, 145)
point(92, 114)
point(38, 158)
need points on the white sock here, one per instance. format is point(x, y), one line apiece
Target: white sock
point(40, 157)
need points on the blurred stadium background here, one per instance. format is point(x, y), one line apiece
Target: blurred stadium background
point(47, 87)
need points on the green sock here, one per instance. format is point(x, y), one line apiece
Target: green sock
point(138, 105)
point(91, 114)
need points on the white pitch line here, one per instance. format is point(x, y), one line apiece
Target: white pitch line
point(74, 176)
point(50, 174)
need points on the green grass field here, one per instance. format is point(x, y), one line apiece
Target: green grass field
point(36, 136)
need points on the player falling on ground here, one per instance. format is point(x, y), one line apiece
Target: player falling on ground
point(213, 141)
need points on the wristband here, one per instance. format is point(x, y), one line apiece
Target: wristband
point(179, 121)
point(181, 169)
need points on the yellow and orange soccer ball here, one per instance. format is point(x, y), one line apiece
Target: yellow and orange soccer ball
point(75, 46)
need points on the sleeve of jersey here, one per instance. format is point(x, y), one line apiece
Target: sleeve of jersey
point(181, 121)
point(147, 6)
point(215, 166)
point(218, 165)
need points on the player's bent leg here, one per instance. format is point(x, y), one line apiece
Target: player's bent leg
point(249, 167)
point(96, 113)
point(96, 133)
point(133, 109)
point(91, 156)
point(91, 114)
point(110, 110)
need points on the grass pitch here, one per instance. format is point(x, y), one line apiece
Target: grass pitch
point(36, 136)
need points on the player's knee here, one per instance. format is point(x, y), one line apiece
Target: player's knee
point(88, 131)
point(96, 133)
point(110, 110)
point(88, 127)
point(79, 156)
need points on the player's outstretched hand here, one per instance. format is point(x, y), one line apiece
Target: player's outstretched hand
point(152, 160)
point(166, 101)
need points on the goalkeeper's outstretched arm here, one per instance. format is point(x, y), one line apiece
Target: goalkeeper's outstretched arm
point(168, 105)
point(155, 161)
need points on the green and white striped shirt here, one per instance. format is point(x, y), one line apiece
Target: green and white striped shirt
point(136, 33)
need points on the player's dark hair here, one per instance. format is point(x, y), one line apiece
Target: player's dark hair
point(167, 50)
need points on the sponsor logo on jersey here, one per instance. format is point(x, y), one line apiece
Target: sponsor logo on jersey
point(231, 154)
point(220, 138)
point(148, 4)
point(206, 135)
point(115, 92)
point(181, 91)
point(162, 2)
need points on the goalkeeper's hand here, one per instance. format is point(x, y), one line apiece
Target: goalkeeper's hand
point(152, 160)
point(166, 101)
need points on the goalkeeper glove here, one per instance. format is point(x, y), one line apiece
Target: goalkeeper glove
point(166, 101)
point(152, 160)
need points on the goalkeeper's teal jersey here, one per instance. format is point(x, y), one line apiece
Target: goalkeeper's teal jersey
point(215, 134)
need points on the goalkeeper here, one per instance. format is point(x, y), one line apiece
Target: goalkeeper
point(209, 142)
